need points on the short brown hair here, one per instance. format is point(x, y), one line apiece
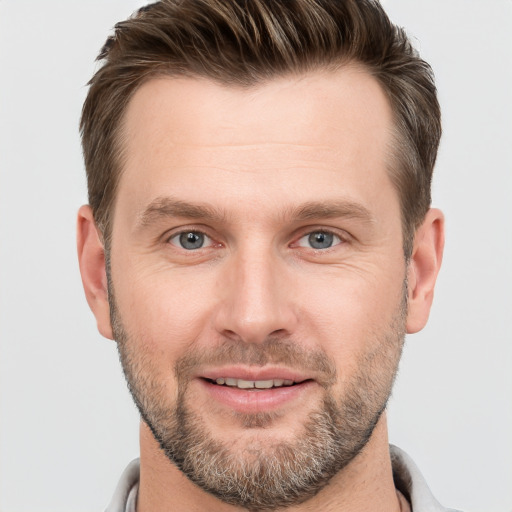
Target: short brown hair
point(247, 42)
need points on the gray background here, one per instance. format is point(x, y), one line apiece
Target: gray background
point(67, 425)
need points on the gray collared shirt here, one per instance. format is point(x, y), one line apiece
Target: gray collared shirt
point(408, 480)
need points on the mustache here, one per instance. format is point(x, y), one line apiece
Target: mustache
point(273, 350)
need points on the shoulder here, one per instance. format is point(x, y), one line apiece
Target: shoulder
point(125, 495)
point(411, 483)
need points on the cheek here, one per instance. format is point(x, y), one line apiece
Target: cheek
point(166, 310)
point(339, 310)
point(349, 313)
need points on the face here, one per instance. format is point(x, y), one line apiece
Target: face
point(257, 279)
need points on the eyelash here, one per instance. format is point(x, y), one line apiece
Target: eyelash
point(185, 232)
point(336, 239)
point(329, 233)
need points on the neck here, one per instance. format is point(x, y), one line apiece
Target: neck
point(365, 484)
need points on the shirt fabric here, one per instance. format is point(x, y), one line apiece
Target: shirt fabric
point(408, 480)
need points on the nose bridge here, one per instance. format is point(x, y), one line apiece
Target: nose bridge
point(256, 300)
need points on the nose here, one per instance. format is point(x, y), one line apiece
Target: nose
point(256, 298)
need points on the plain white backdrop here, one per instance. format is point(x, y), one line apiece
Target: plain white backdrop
point(67, 424)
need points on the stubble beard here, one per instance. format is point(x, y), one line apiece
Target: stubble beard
point(265, 475)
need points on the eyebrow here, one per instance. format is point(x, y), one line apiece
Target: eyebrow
point(169, 207)
point(332, 209)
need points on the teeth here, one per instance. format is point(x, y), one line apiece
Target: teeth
point(249, 384)
point(263, 384)
point(245, 384)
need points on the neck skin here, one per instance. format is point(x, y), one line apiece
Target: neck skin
point(366, 484)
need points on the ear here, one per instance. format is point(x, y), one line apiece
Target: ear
point(91, 258)
point(423, 268)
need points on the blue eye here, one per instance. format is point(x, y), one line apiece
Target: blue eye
point(190, 240)
point(319, 240)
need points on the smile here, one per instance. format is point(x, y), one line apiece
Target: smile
point(253, 384)
point(261, 393)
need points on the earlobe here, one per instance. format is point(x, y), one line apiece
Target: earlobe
point(423, 269)
point(91, 258)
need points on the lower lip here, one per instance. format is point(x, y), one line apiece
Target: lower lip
point(256, 400)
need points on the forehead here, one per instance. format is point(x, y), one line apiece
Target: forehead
point(289, 133)
point(196, 110)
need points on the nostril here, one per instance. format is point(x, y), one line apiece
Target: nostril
point(279, 333)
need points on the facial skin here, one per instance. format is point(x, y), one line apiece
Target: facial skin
point(257, 236)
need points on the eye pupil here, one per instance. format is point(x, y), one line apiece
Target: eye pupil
point(320, 240)
point(191, 240)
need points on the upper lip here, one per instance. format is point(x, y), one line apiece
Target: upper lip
point(253, 373)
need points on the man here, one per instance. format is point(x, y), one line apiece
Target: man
point(258, 242)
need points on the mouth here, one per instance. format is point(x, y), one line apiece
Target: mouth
point(252, 391)
point(253, 384)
